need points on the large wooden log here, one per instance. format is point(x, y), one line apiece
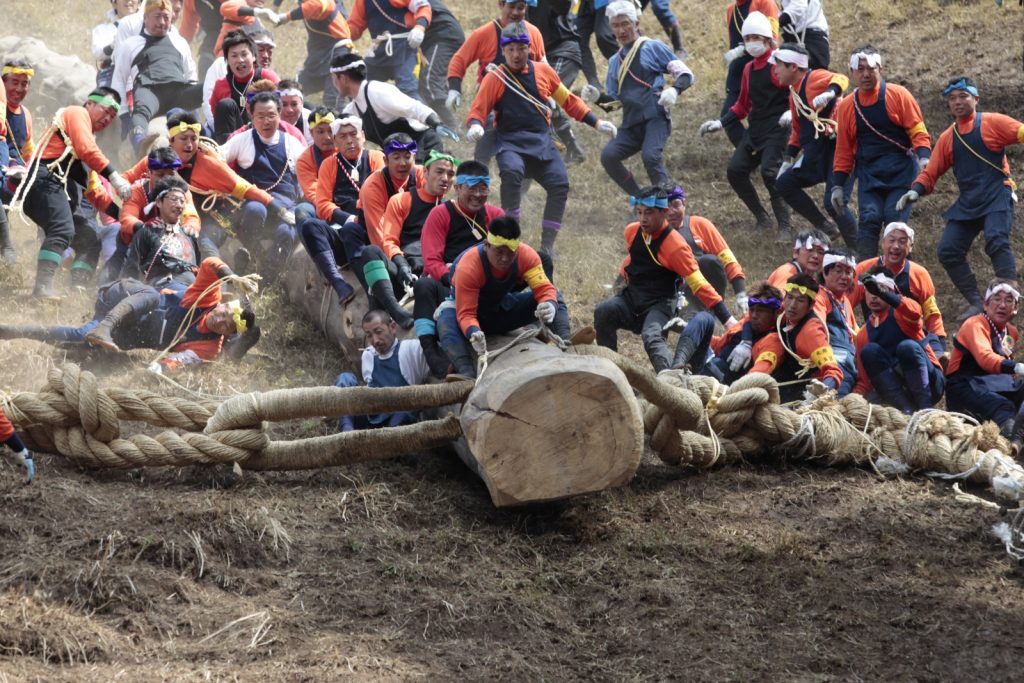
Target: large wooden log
point(542, 425)
point(310, 293)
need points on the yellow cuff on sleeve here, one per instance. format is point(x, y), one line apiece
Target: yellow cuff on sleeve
point(726, 257)
point(929, 308)
point(696, 280)
point(919, 128)
point(823, 356)
point(240, 189)
point(768, 357)
point(535, 277)
point(561, 94)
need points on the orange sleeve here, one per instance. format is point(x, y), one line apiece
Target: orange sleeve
point(306, 172)
point(676, 255)
point(924, 288)
point(975, 336)
point(999, 131)
point(908, 316)
point(846, 136)
point(373, 200)
point(713, 243)
point(481, 46)
point(78, 127)
point(940, 161)
point(229, 9)
point(468, 280)
point(531, 271)
point(779, 276)
point(904, 110)
point(137, 172)
point(357, 19)
point(550, 85)
point(813, 343)
point(376, 160)
point(213, 173)
point(325, 180)
point(391, 224)
point(766, 354)
point(422, 13)
point(189, 21)
point(96, 192)
point(206, 276)
point(491, 90)
point(204, 349)
point(6, 428)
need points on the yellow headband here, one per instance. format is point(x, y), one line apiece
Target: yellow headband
point(317, 119)
point(499, 241)
point(182, 127)
point(236, 315)
point(19, 70)
point(158, 4)
point(806, 291)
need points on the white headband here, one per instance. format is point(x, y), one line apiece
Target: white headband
point(353, 121)
point(789, 57)
point(1002, 287)
point(874, 60)
point(884, 281)
point(291, 92)
point(809, 243)
point(347, 67)
point(832, 259)
point(622, 8)
point(893, 227)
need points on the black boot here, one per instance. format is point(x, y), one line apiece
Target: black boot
point(124, 312)
point(890, 390)
point(677, 41)
point(7, 250)
point(547, 242)
point(783, 216)
point(237, 346)
point(328, 267)
point(685, 348)
point(1017, 435)
point(383, 292)
point(84, 278)
point(45, 271)
point(574, 154)
point(437, 359)
point(919, 388)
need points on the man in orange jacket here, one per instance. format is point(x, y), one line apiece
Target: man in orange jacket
point(392, 58)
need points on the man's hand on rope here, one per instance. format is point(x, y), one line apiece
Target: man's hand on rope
point(23, 459)
point(740, 356)
point(908, 198)
point(823, 99)
point(546, 312)
point(815, 390)
point(922, 163)
point(277, 207)
point(249, 284)
point(121, 186)
point(1018, 371)
point(479, 342)
point(475, 132)
point(405, 274)
point(415, 38)
point(712, 126)
point(786, 120)
point(155, 368)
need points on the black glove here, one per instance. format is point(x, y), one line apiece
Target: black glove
point(405, 275)
point(870, 285)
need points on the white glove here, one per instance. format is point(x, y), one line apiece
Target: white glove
point(546, 311)
point(607, 127)
point(272, 17)
point(453, 100)
point(416, 36)
point(23, 459)
point(711, 126)
point(730, 322)
point(836, 199)
point(121, 186)
point(286, 215)
point(740, 356)
point(732, 54)
point(815, 390)
point(479, 342)
point(1018, 371)
point(823, 99)
point(908, 198)
point(786, 165)
point(921, 164)
point(589, 93)
point(668, 97)
point(155, 368)
point(742, 305)
point(249, 284)
point(786, 120)
point(475, 132)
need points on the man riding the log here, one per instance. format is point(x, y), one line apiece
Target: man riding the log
point(387, 361)
point(838, 276)
point(893, 358)
point(499, 285)
point(227, 101)
point(16, 145)
point(982, 379)
point(808, 254)
point(338, 184)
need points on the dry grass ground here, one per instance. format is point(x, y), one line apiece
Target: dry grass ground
point(404, 569)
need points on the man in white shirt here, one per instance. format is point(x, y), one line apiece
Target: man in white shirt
point(265, 156)
point(803, 22)
point(387, 362)
point(156, 66)
point(386, 110)
point(103, 38)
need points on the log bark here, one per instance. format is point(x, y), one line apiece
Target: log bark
point(541, 425)
point(310, 293)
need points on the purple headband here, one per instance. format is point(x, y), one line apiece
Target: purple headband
point(523, 38)
point(770, 302)
point(396, 146)
point(677, 193)
point(155, 164)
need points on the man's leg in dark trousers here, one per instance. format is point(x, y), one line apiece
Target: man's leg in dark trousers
point(48, 206)
point(743, 162)
point(554, 178)
point(626, 143)
point(998, 225)
point(512, 170)
point(733, 81)
point(610, 316)
point(952, 250)
point(871, 208)
point(652, 153)
point(652, 332)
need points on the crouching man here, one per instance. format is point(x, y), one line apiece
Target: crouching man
point(387, 362)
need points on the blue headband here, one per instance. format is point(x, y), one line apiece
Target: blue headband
point(652, 202)
point(523, 38)
point(396, 146)
point(677, 193)
point(962, 84)
point(463, 179)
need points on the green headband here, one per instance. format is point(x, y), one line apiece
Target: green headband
point(105, 101)
point(440, 156)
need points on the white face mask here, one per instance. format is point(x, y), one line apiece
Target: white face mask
point(755, 48)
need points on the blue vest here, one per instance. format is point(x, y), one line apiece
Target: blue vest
point(494, 290)
point(346, 190)
point(268, 165)
point(981, 184)
point(388, 372)
point(639, 102)
point(838, 331)
point(412, 226)
point(382, 16)
point(461, 233)
point(649, 282)
point(881, 165)
point(888, 334)
point(520, 127)
point(769, 102)
point(17, 133)
point(968, 366)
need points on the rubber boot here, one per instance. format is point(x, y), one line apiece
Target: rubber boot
point(237, 346)
point(685, 348)
point(830, 229)
point(384, 293)
point(7, 250)
point(122, 312)
point(437, 360)
point(328, 267)
point(890, 390)
point(918, 387)
point(763, 223)
point(1017, 435)
point(867, 248)
point(45, 271)
point(547, 242)
point(574, 154)
point(83, 276)
point(783, 215)
point(677, 41)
